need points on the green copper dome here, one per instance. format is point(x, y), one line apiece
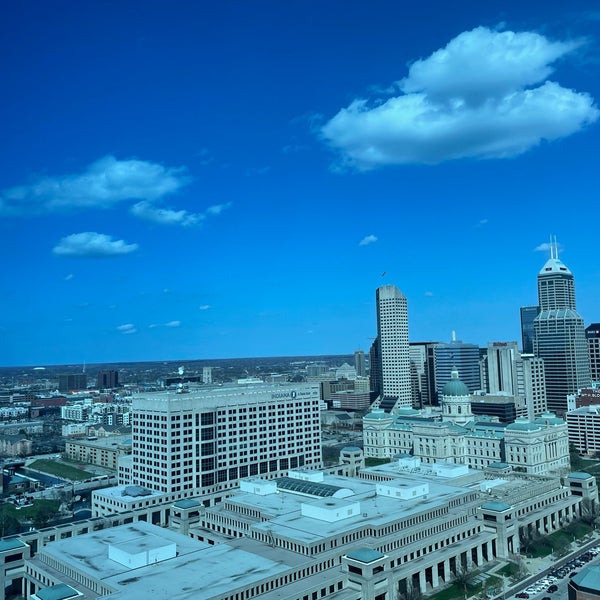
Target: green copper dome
point(455, 387)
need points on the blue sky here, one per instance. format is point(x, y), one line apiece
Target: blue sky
point(186, 180)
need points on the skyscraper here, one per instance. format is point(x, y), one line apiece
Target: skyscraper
point(519, 375)
point(422, 373)
point(559, 335)
point(528, 315)
point(592, 333)
point(462, 356)
point(392, 344)
point(360, 363)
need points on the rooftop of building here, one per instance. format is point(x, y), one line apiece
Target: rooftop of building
point(216, 396)
point(588, 579)
point(189, 572)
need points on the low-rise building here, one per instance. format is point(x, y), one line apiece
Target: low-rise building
point(104, 452)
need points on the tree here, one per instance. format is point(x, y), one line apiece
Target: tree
point(520, 570)
point(589, 511)
point(528, 536)
point(9, 525)
point(411, 593)
point(463, 577)
point(42, 516)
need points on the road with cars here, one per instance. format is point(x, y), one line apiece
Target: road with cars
point(552, 583)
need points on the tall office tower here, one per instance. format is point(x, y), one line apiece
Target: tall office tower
point(360, 363)
point(592, 334)
point(375, 378)
point(501, 367)
point(528, 315)
point(519, 375)
point(559, 335)
point(534, 385)
point(422, 373)
point(107, 379)
point(205, 441)
point(464, 357)
point(206, 374)
point(392, 339)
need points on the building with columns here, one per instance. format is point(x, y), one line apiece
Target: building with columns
point(305, 536)
point(455, 435)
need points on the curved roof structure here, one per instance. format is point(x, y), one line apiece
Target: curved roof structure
point(455, 387)
point(311, 488)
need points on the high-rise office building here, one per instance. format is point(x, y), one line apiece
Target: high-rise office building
point(107, 379)
point(518, 375)
point(528, 315)
point(205, 441)
point(392, 343)
point(462, 356)
point(592, 334)
point(422, 373)
point(559, 334)
point(360, 363)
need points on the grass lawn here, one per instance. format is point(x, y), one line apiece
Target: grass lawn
point(60, 470)
point(29, 512)
point(455, 592)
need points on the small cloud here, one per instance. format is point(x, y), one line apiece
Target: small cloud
point(173, 324)
point(69, 277)
point(152, 326)
point(102, 184)
point(217, 209)
point(482, 222)
point(429, 294)
point(293, 148)
point(93, 245)
point(165, 216)
point(257, 171)
point(127, 328)
point(205, 156)
point(204, 307)
point(369, 239)
point(547, 247)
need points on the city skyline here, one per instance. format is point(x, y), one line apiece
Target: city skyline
point(236, 180)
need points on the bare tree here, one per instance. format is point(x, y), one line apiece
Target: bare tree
point(463, 577)
point(412, 593)
point(589, 512)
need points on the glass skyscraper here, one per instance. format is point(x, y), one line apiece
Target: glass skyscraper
point(528, 315)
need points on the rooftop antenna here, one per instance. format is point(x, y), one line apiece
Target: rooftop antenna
point(453, 335)
point(555, 248)
point(551, 247)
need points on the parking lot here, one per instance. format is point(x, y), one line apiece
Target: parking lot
point(553, 584)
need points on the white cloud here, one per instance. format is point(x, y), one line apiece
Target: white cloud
point(547, 247)
point(477, 98)
point(165, 216)
point(368, 239)
point(217, 209)
point(127, 328)
point(173, 324)
point(69, 277)
point(204, 307)
point(92, 244)
point(482, 222)
point(429, 294)
point(104, 183)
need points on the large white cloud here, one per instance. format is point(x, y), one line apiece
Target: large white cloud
point(104, 183)
point(477, 97)
point(92, 244)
